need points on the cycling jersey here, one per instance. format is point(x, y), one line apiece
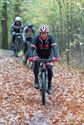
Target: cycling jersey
point(17, 27)
point(44, 48)
point(28, 33)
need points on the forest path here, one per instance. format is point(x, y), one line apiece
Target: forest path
point(20, 102)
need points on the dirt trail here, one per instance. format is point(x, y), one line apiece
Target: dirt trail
point(20, 102)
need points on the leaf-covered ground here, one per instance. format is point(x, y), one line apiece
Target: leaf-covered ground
point(20, 102)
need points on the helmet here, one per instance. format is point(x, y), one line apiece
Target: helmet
point(30, 25)
point(43, 29)
point(18, 18)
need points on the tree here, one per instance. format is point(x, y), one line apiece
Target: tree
point(17, 8)
point(4, 44)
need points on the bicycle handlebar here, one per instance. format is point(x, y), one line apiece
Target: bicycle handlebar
point(44, 60)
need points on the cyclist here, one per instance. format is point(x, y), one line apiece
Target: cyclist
point(16, 27)
point(46, 48)
point(28, 35)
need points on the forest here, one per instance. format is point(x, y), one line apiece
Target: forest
point(65, 19)
point(20, 102)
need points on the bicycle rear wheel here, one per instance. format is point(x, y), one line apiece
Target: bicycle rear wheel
point(43, 87)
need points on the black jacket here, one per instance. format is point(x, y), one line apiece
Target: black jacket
point(44, 48)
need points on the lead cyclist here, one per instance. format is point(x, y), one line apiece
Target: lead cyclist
point(46, 48)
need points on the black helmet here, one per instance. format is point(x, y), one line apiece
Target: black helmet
point(30, 25)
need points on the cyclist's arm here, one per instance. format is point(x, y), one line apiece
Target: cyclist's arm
point(24, 34)
point(54, 47)
point(21, 28)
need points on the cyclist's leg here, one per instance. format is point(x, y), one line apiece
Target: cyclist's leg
point(27, 52)
point(29, 41)
point(13, 40)
point(20, 40)
point(28, 46)
point(36, 71)
point(50, 74)
point(25, 48)
point(30, 64)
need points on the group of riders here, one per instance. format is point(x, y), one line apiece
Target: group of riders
point(40, 46)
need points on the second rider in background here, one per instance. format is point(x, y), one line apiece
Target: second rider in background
point(28, 35)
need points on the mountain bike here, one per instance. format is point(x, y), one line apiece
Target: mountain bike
point(16, 47)
point(43, 78)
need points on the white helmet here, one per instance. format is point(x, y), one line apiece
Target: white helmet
point(18, 18)
point(43, 29)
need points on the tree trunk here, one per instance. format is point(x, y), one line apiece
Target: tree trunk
point(17, 8)
point(68, 37)
point(61, 44)
point(61, 30)
point(4, 44)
